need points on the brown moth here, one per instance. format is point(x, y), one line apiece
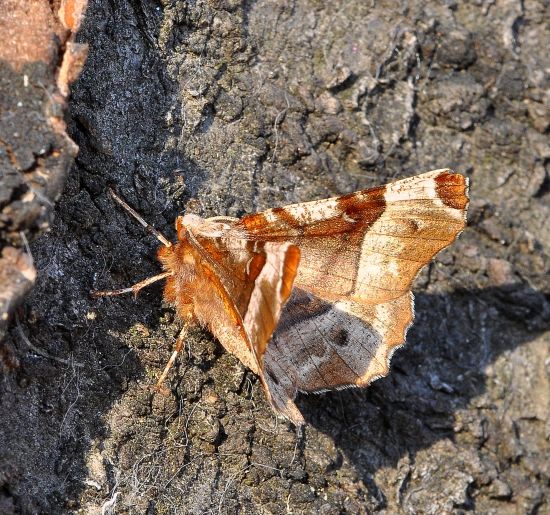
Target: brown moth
point(313, 296)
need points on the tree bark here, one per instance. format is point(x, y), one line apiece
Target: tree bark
point(226, 108)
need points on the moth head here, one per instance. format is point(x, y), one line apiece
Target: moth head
point(186, 223)
point(214, 227)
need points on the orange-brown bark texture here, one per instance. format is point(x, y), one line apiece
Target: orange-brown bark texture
point(226, 108)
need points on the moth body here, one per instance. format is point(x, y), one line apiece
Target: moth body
point(314, 296)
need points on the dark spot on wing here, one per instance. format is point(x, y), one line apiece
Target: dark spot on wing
point(339, 336)
point(413, 224)
point(364, 206)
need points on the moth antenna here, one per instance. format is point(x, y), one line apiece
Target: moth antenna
point(132, 289)
point(136, 215)
point(177, 349)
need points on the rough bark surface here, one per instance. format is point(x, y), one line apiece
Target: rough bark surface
point(225, 107)
point(38, 61)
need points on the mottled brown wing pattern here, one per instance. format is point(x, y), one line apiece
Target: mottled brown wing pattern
point(370, 244)
point(359, 256)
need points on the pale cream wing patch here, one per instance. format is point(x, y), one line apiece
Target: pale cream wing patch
point(423, 215)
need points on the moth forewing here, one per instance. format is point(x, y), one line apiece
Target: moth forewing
point(359, 256)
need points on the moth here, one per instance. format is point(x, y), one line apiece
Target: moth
point(313, 296)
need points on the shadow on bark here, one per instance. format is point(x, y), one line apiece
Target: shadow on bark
point(444, 368)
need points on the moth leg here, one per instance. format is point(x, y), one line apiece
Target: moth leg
point(134, 288)
point(177, 349)
point(136, 215)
